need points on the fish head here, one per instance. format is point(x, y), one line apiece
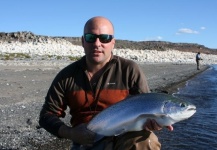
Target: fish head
point(178, 110)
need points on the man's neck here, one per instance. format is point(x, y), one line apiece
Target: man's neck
point(95, 67)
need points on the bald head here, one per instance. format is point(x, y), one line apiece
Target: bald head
point(99, 25)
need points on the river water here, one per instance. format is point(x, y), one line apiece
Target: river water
point(200, 131)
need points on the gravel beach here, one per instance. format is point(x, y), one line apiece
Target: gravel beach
point(24, 86)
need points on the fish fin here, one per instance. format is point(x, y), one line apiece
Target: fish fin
point(157, 117)
point(144, 117)
point(151, 116)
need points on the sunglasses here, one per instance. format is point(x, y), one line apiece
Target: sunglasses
point(103, 38)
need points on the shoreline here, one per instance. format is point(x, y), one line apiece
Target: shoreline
point(174, 87)
point(170, 76)
point(24, 86)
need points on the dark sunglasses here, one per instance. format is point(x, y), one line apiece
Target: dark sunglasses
point(103, 38)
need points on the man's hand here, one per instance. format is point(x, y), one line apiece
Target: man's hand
point(79, 134)
point(152, 125)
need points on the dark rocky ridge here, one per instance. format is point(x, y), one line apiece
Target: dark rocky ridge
point(124, 44)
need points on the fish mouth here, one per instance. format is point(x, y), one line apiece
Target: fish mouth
point(192, 108)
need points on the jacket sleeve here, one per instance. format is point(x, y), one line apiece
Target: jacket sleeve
point(50, 123)
point(54, 107)
point(138, 82)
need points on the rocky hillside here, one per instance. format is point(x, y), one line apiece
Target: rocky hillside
point(120, 44)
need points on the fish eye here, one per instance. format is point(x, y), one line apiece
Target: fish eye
point(182, 104)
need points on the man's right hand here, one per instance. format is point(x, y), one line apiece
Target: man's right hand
point(78, 134)
point(152, 125)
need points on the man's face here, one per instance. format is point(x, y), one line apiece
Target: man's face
point(98, 52)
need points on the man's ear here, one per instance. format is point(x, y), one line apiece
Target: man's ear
point(113, 41)
point(82, 41)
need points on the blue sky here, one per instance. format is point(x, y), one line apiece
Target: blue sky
point(185, 21)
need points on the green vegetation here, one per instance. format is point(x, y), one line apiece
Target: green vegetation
point(74, 58)
point(12, 56)
point(22, 56)
point(59, 57)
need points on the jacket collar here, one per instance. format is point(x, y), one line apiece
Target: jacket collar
point(83, 64)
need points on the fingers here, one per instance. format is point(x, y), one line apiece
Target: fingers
point(83, 135)
point(170, 128)
point(152, 125)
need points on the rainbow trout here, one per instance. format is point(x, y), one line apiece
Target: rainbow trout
point(131, 113)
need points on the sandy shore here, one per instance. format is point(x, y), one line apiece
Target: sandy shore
point(23, 88)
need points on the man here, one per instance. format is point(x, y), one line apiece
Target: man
point(198, 58)
point(89, 85)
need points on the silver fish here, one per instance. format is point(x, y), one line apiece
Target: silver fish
point(131, 113)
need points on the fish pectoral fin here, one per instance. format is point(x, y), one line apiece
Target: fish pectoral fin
point(144, 117)
point(151, 116)
point(157, 117)
point(160, 115)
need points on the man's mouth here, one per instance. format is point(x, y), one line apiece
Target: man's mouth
point(96, 51)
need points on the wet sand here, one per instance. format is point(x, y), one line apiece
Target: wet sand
point(23, 88)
